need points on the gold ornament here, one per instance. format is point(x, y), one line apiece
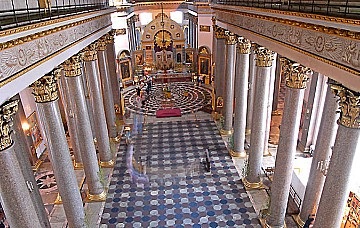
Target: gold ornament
point(349, 105)
point(244, 45)
point(72, 66)
point(101, 44)
point(45, 89)
point(220, 32)
point(7, 110)
point(296, 75)
point(264, 57)
point(231, 38)
point(110, 35)
point(90, 52)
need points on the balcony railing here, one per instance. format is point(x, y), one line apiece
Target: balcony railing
point(337, 8)
point(13, 15)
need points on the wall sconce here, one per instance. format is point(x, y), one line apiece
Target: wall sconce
point(323, 166)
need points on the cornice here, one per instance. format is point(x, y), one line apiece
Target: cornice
point(309, 26)
point(42, 61)
point(290, 13)
point(53, 22)
point(22, 40)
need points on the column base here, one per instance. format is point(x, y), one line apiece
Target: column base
point(247, 131)
point(78, 165)
point(276, 113)
point(236, 154)
point(266, 153)
point(224, 132)
point(116, 139)
point(266, 225)
point(97, 198)
point(298, 220)
point(107, 164)
point(58, 199)
point(250, 186)
point(36, 166)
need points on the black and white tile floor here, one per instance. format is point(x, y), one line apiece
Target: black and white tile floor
point(180, 193)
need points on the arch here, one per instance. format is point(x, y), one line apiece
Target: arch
point(123, 54)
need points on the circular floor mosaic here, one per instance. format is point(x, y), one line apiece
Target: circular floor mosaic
point(183, 95)
point(46, 182)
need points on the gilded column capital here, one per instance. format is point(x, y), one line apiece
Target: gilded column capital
point(243, 45)
point(72, 66)
point(231, 38)
point(101, 44)
point(7, 110)
point(90, 52)
point(213, 19)
point(349, 105)
point(296, 75)
point(45, 89)
point(109, 37)
point(220, 33)
point(264, 57)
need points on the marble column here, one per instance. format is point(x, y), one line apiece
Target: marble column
point(241, 89)
point(72, 127)
point(336, 188)
point(219, 65)
point(296, 78)
point(322, 154)
point(277, 85)
point(230, 51)
point(105, 79)
point(73, 74)
point(15, 188)
point(45, 92)
point(101, 131)
point(114, 78)
point(24, 154)
point(264, 60)
point(251, 89)
point(313, 112)
point(269, 105)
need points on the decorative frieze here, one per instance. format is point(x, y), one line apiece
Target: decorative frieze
point(349, 105)
point(72, 66)
point(90, 52)
point(264, 57)
point(45, 89)
point(243, 45)
point(231, 38)
point(296, 75)
point(7, 110)
point(333, 46)
point(22, 53)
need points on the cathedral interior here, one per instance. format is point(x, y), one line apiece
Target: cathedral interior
point(203, 113)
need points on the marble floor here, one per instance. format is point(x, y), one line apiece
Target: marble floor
point(178, 191)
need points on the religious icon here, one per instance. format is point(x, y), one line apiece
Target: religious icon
point(219, 102)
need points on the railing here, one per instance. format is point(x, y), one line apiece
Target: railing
point(14, 15)
point(337, 8)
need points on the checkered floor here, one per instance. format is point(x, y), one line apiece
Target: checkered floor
point(184, 95)
point(180, 193)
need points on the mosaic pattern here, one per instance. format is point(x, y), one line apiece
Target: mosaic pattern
point(184, 95)
point(46, 182)
point(180, 193)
